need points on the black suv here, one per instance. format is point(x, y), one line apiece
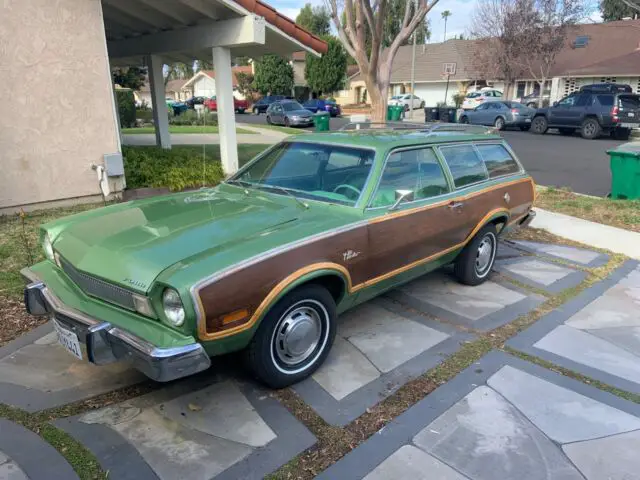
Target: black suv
point(261, 105)
point(595, 109)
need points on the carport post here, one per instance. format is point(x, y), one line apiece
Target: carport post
point(226, 114)
point(158, 102)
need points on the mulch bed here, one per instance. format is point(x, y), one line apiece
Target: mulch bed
point(14, 320)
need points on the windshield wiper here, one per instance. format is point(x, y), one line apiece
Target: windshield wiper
point(288, 192)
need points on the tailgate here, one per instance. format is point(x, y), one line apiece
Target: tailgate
point(629, 110)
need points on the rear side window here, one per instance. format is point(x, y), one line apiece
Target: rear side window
point(498, 160)
point(583, 100)
point(605, 100)
point(465, 165)
point(629, 101)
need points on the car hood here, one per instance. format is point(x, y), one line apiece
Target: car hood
point(131, 244)
point(300, 113)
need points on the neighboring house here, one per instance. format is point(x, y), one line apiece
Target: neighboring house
point(594, 53)
point(173, 89)
point(203, 83)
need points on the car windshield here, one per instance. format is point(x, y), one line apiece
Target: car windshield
point(473, 94)
point(291, 106)
point(329, 173)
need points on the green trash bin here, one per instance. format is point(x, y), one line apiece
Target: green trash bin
point(625, 171)
point(321, 121)
point(394, 112)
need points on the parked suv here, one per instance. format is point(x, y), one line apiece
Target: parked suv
point(595, 109)
point(261, 105)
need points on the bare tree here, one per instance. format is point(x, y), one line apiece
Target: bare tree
point(635, 4)
point(545, 29)
point(361, 31)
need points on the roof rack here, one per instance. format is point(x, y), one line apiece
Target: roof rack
point(428, 128)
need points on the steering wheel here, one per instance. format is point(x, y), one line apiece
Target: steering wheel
point(348, 187)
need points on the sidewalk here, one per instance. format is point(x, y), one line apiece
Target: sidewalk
point(263, 136)
point(590, 233)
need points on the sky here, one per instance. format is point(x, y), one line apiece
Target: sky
point(456, 24)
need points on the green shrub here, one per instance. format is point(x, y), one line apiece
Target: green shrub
point(126, 108)
point(458, 98)
point(177, 169)
point(146, 115)
point(190, 117)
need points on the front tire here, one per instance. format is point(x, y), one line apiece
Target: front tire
point(464, 119)
point(473, 265)
point(539, 125)
point(294, 337)
point(499, 123)
point(268, 120)
point(590, 129)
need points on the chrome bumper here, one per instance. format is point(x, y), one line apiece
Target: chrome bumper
point(106, 343)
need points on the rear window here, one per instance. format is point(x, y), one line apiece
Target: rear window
point(629, 101)
point(498, 160)
point(465, 165)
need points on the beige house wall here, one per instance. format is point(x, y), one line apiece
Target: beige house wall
point(62, 118)
point(298, 74)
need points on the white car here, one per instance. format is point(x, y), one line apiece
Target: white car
point(473, 99)
point(405, 100)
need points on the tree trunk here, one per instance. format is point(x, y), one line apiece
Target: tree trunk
point(541, 95)
point(377, 96)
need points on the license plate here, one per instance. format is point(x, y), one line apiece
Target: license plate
point(68, 340)
point(629, 125)
point(631, 114)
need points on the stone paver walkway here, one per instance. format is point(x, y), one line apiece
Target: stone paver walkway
point(501, 418)
point(504, 418)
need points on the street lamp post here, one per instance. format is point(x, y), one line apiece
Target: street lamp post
point(413, 65)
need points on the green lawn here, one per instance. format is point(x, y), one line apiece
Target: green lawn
point(181, 129)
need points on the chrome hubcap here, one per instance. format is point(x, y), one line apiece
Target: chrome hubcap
point(484, 255)
point(297, 335)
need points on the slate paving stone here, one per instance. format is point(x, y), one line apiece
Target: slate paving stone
point(540, 274)
point(610, 458)
point(581, 256)
point(10, 471)
point(42, 374)
point(191, 430)
point(504, 418)
point(379, 346)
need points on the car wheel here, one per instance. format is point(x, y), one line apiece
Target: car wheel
point(294, 337)
point(464, 119)
point(256, 111)
point(268, 120)
point(499, 123)
point(473, 265)
point(525, 128)
point(539, 125)
point(286, 122)
point(621, 133)
point(590, 129)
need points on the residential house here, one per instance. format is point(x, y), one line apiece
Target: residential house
point(173, 89)
point(203, 83)
point(594, 53)
point(301, 90)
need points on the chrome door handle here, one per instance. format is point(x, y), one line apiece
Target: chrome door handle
point(455, 204)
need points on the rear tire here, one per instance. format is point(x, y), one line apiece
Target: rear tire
point(499, 123)
point(473, 265)
point(294, 338)
point(621, 133)
point(539, 125)
point(590, 129)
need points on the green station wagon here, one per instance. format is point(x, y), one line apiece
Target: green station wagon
point(267, 260)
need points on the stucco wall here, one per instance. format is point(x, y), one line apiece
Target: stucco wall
point(298, 74)
point(60, 116)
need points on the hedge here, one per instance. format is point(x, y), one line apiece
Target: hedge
point(126, 108)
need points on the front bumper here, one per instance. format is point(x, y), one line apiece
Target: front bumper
point(299, 122)
point(106, 343)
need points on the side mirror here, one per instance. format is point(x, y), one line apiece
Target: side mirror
point(555, 104)
point(401, 196)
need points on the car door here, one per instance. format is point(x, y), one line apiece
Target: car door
point(494, 110)
point(581, 106)
point(277, 115)
point(480, 114)
point(559, 114)
point(402, 241)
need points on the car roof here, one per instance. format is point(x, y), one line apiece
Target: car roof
point(384, 140)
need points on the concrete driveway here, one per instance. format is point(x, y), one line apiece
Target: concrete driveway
point(503, 417)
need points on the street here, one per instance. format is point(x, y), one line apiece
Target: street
point(552, 159)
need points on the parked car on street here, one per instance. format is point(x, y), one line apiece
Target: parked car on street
point(594, 110)
point(319, 105)
point(267, 260)
point(261, 105)
point(178, 107)
point(499, 114)
point(531, 100)
point(405, 101)
point(239, 106)
point(473, 99)
point(193, 101)
point(289, 113)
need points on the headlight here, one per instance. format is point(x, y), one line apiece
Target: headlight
point(48, 248)
point(173, 308)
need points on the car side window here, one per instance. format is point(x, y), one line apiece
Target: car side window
point(583, 100)
point(465, 165)
point(497, 160)
point(567, 101)
point(482, 106)
point(605, 100)
point(416, 170)
point(497, 94)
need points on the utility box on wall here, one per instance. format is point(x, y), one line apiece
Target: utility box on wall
point(113, 164)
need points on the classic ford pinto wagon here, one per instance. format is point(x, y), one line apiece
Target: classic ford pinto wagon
point(266, 261)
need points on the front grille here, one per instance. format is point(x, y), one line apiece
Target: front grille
point(98, 288)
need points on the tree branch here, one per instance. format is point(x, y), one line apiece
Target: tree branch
point(346, 41)
point(409, 26)
point(631, 4)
